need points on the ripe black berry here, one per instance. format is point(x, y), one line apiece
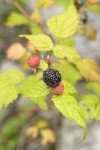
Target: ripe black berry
point(51, 77)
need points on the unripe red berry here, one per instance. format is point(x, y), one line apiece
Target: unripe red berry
point(58, 89)
point(33, 61)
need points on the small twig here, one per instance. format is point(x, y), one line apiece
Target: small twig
point(79, 5)
point(26, 14)
point(46, 54)
point(22, 10)
point(30, 111)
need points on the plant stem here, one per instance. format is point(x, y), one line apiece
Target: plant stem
point(22, 10)
point(29, 111)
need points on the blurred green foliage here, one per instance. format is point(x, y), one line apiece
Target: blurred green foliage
point(9, 135)
point(68, 71)
point(6, 7)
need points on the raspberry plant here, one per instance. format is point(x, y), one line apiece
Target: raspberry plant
point(50, 78)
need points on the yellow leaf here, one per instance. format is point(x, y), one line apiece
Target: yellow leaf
point(41, 41)
point(32, 132)
point(8, 86)
point(43, 65)
point(95, 7)
point(68, 105)
point(45, 3)
point(41, 102)
point(15, 19)
point(7, 94)
point(65, 24)
point(62, 51)
point(36, 16)
point(42, 124)
point(89, 31)
point(89, 70)
point(67, 70)
point(48, 136)
point(33, 88)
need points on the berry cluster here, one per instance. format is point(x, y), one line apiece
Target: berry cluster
point(34, 61)
point(52, 78)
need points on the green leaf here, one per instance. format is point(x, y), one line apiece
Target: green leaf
point(41, 41)
point(38, 76)
point(12, 76)
point(61, 51)
point(94, 87)
point(33, 87)
point(35, 29)
point(90, 104)
point(69, 107)
point(67, 70)
point(95, 8)
point(68, 75)
point(90, 100)
point(96, 113)
point(22, 2)
point(43, 65)
point(41, 102)
point(8, 94)
point(64, 24)
point(65, 3)
point(69, 88)
point(8, 86)
point(44, 3)
point(84, 135)
point(70, 41)
point(15, 19)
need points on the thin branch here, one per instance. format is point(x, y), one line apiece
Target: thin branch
point(25, 13)
point(30, 111)
point(22, 10)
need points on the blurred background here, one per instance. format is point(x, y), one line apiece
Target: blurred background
point(23, 125)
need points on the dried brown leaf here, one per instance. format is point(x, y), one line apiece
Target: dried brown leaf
point(48, 136)
point(15, 51)
point(89, 70)
point(32, 132)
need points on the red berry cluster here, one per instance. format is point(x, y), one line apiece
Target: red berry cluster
point(34, 62)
